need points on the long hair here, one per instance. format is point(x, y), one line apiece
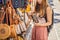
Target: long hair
point(40, 7)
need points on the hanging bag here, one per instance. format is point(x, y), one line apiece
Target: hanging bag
point(50, 26)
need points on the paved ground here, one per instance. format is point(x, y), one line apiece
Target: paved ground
point(55, 32)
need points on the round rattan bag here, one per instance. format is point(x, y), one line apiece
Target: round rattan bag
point(4, 31)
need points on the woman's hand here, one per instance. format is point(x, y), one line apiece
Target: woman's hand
point(37, 24)
point(49, 18)
point(44, 24)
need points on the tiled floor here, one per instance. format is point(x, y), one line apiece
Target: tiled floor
point(55, 32)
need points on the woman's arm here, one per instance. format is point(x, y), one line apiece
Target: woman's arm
point(49, 18)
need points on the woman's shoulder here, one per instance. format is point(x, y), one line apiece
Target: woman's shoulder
point(49, 9)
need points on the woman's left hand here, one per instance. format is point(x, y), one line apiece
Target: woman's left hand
point(37, 24)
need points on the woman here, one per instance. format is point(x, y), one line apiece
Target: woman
point(42, 10)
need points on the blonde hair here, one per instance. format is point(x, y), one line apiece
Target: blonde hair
point(41, 8)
